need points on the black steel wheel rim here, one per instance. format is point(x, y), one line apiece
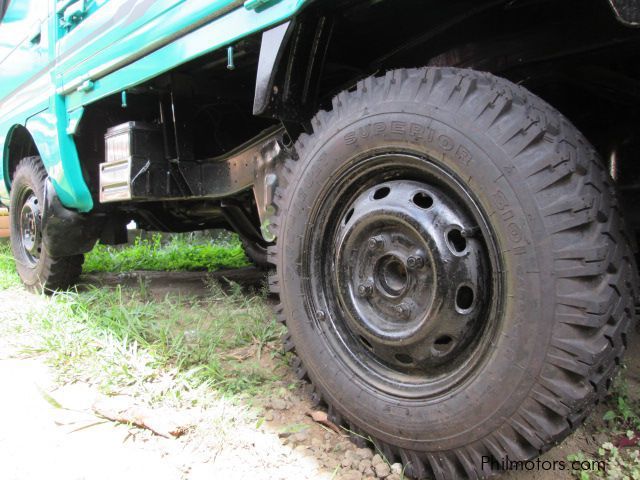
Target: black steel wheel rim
point(403, 278)
point(30, 227)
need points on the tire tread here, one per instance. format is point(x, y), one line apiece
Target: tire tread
point(592, 253)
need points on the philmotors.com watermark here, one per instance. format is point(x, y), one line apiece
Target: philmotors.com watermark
point(505, 464)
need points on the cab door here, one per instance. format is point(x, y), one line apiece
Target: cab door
point(24, 45)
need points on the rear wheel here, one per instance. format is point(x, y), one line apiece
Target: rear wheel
point(38, 270)
point(453, 270)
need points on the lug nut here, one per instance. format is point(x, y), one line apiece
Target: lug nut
point(365, 290)
point(375, 243)
point(414, 263)
point(403, 310)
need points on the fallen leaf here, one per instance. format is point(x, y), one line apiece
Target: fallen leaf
point(156, 421)
point(49, 399)
point(322, 418)
point(625, 441)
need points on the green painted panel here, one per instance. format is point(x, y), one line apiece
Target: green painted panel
point(219, 33)
point(114, 45)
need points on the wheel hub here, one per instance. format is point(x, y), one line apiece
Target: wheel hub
point(409, 274)
point(30, 227)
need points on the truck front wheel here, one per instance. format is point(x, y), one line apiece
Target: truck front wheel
point(453, 270)
point(39, 271)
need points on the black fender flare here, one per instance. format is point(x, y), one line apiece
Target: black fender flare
point(66, 232)
point(290, 66)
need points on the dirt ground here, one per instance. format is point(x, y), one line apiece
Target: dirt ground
point(229, 440)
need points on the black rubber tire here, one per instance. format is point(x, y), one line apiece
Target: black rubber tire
point(569, 273)
point(48, 273)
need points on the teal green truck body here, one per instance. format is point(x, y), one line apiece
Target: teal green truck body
point(58, 57)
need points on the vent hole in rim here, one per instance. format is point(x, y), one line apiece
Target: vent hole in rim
point(423, 200)
point(443, 343)
point(381, 193)
point(456, 241)
point(464, 297)
point(404, 358)
point(348, 216)
point(365, 342)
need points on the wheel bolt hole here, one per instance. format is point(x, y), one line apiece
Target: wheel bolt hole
point(456, 241)
point(443, 344)
point(366, 343)
point(404, 358)
point(464, 297)
point(348, 216)
point(381, 193)
point(423, 200)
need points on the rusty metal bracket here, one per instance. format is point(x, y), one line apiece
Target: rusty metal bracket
point(268, 164)
point(147, 177)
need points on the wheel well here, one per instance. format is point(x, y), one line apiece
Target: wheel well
point(20, 144)
point(576, 55)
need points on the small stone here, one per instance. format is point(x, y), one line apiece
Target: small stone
point(278, 404)
point(300, 437)
point(332, 463)
point(364, 453)
point(382, 470)
point(351, 475)
point(350, 459)
point(368, 472)
point(600, 438)
point(396, 468)
point(340, 447)
point(301, 448)
point(268, 416)
point(364, 464)
point(377, 459)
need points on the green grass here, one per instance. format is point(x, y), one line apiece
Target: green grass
point(181, 252)
point(622, 419)
point(625, 412)
point(610, 463)
point(174, 350)
point(8, 276)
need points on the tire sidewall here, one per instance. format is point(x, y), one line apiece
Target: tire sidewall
point(517, 355)
point(25, 178)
